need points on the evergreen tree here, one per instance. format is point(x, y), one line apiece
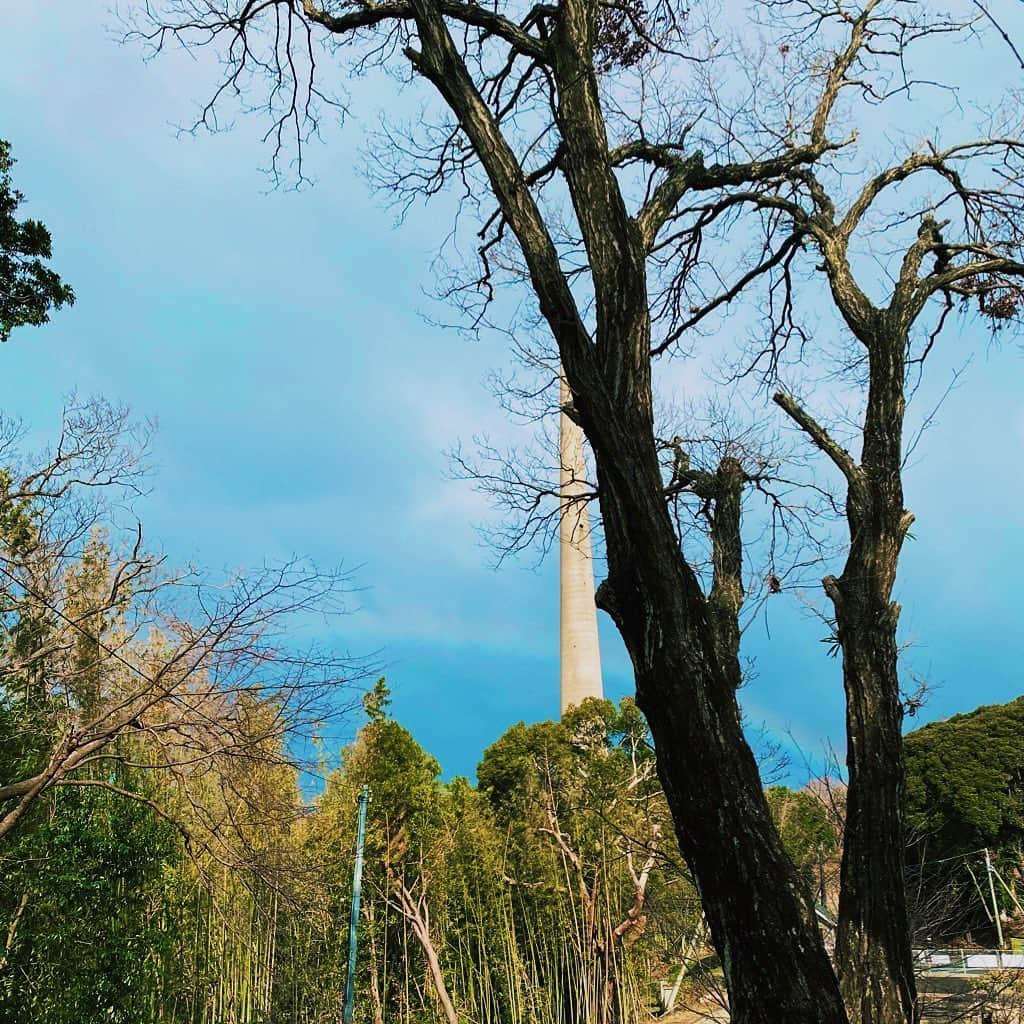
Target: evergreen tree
point(29, 289)
point(965, 781)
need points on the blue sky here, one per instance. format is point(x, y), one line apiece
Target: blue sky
point(304, 405)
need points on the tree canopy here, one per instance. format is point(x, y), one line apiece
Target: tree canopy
point(965, 781)
point(29, 288)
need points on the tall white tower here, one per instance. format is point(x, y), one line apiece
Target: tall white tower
point(580, 654)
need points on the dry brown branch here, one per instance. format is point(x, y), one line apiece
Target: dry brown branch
point(110, 660)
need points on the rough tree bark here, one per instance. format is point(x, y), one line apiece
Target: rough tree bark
point(873, 941)
point(762, 924)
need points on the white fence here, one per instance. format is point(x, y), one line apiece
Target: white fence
point(969, 961)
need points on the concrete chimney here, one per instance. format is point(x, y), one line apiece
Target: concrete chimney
point(580, 654)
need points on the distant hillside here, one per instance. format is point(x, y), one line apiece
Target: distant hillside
point(965, 781)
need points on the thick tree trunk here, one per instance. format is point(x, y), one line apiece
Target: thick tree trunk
point(873, 942)
point(763, 925)
point(873, 950)
point(763, 928)
point(762, 922)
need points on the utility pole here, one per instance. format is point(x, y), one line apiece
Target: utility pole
point(995, 906)
point(353, 925)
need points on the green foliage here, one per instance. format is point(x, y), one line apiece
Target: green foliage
point(520, 882)
point(26, 718)
point(596, 742)
point(806, 831)
point(582, 814)
point(18, 533)
point(404, 841)
point(403, 781)
point(29, 289)
point(83, 899)
point(377, 701)
point(86, 585)
point(965, 781)
point(525, 887)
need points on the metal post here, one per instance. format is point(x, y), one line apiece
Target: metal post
point(353, 925)
point(995, 906)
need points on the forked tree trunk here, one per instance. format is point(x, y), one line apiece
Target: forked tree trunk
point(761, 920)
point(416, 912)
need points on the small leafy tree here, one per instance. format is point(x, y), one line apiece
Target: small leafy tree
point(29, 288)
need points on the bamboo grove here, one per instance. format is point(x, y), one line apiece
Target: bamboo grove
point(177, 840)
point(191, 862)
point(177, 828)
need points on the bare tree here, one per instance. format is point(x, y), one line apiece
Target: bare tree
point(415, 908)
point(946, 223)
point(612, 152)
point(110, 660)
